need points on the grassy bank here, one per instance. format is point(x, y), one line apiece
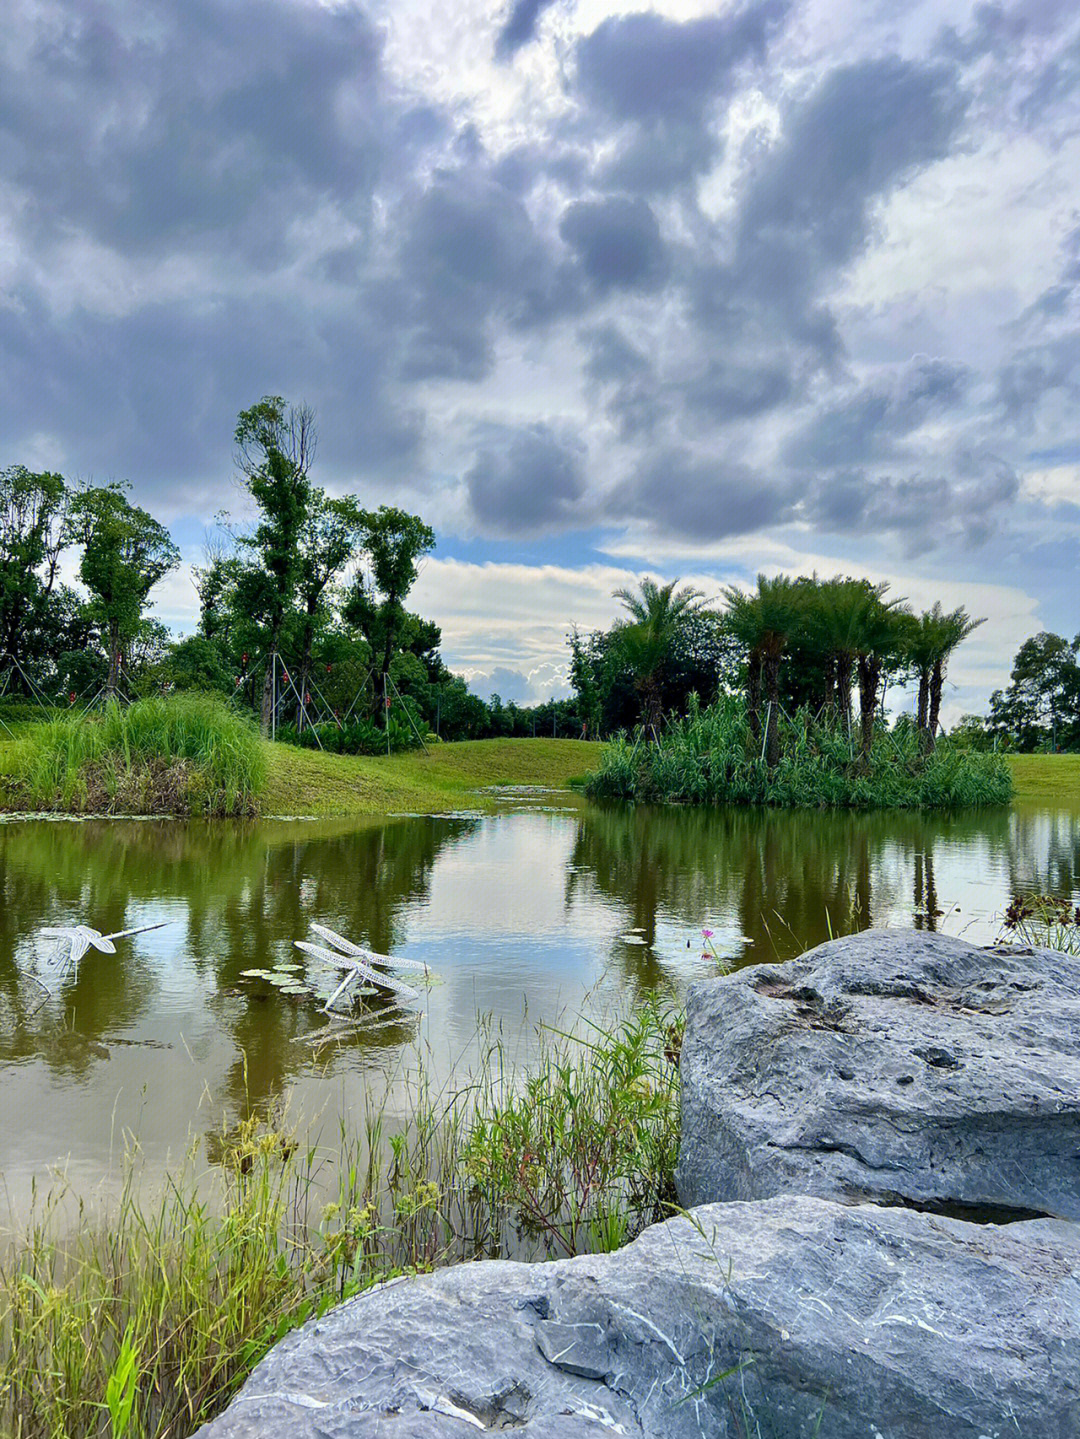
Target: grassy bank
point(713, 757)
point(187, 754)
point(191, 755)
point(448, 776)
point(160, 1310)
point(1046, 778)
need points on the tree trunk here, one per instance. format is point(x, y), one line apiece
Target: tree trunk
point(753, 695)
point(924, 706)
point(772, 723)
point(869, 678)
point(112, 683)
point(937, 678)
point(843, 691)
point(268, 697)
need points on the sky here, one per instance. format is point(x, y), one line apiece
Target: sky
point(601, 291)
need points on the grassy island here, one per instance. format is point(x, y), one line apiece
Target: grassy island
point(714, 756)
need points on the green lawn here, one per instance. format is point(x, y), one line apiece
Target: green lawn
point(449, 776)
point(1046, 778)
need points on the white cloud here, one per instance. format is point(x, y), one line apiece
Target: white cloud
point(1059, 485)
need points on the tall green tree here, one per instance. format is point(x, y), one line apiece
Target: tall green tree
point(658, 615)
point(275, 446)
point(763, 621)
point(33, 531)
point(393, 544)
point(125, 552)
point(1042, 702)
point(329, 537)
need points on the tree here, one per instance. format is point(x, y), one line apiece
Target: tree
point(125, 553)
point(659, 614)
point(882, 632)
point(327, 541)
point(763, 621)
point(1042, 702)
point(275, 446)
point(393, 543)
point(951, 630)
point(33, 531)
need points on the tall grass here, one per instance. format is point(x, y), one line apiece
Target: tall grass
point(146, 1319)
point(185, 754)
point(711, 757)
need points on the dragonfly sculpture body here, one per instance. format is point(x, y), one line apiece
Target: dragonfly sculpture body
point(71, 943)
point(360, 966)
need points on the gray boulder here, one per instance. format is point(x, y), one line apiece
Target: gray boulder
point(900, 1067)
point(784, 1319)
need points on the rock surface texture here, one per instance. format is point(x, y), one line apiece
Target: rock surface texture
point(787, 1318)
point(899, 1067)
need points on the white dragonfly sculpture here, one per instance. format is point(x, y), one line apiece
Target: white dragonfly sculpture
point(70, 944)
point(361, 966)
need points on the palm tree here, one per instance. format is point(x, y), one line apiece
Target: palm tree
point(657, 615)
point(883, 630)
point(763, 621)
point(951, 630)
point(837, 614)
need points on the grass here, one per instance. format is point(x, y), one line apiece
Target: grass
point(145, 1321)
point(1044, 921)
point(188, 754)
point(447, 776)
point(711, 757)
point(1046, 778)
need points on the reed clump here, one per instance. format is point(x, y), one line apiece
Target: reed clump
point(143, 1320)
point(712, 757)
point(185, 754)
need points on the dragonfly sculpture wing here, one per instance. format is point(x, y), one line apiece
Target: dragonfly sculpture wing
point(367, 955)
point(357, 967)
point(102, 942)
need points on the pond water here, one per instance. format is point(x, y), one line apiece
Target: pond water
point(545, 910)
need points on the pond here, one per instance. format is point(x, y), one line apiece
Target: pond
point(545, 910)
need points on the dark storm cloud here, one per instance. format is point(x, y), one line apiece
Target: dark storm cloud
point(208, 201)
point(525, 480)
point(520, 26)
point(644, 67)
point(659, 79)
point(925, 510)
point(617, 241)
point(149, 125)
point(870, 423)
point(470, 254)
point(862, 131)
point(701, 497)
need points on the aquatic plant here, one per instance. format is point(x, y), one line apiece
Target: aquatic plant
point(1046, 921)
point(153, 1310)
point(713, 757)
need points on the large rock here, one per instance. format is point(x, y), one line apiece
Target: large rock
point(900, 1067)
point(787, 1318)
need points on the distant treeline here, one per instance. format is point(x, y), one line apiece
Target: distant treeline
point(303, 618)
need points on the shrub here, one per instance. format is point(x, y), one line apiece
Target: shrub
point(360, 736)
point(185, 754)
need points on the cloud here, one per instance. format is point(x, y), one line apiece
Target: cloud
point(520, 26)
point(617, 241)
point(525, 480)
point(772, 266)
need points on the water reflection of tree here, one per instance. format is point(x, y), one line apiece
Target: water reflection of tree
point(244, 892)
point(788, 879)
point(1044, 856)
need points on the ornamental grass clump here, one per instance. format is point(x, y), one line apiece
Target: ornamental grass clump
point(184, 754)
